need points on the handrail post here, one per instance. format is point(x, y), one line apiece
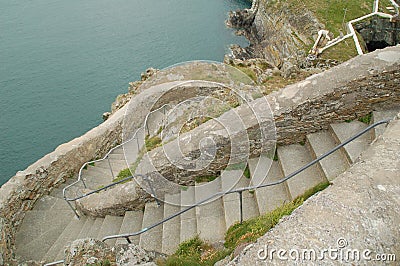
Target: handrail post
point(241, 206)
point(153, 194)
point(84, 184)
point(109, 164)
point(70, 205)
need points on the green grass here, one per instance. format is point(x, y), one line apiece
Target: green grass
point(208, 178)
point(246, 172)
point(331, 13)
point(366, 119)
point(152, 142)
point(197, 252)
point(101, 263)
point(254, 228)
point(239, 166)
point(194, 252)
point(124, 173)
point(236, 166)
point(92, 164)
point(250, 73)
point(276, 158)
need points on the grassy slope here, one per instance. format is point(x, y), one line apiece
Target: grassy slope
point(332, 14)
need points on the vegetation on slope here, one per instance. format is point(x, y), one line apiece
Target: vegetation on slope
point(198, 252)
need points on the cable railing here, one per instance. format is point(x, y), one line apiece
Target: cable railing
point(107, 157)
point(249, 188)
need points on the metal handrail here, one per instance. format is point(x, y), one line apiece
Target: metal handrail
point(241, 190)
point(68, 200)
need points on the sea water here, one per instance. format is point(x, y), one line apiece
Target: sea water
point(62, 63)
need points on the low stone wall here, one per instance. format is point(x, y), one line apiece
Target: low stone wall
point(346, 92)
point(20, 193)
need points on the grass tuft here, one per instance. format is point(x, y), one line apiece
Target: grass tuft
point(124, 173)
point(209, 178)
point(366, 119)
point(256, 227)
point(152, 142)
point(194, 252)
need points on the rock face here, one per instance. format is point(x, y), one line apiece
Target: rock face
point(88, 251)
point(357, 216)
point(115, 201)
point(134, 255)
point(92, 251)
point(379, 33)
point(276, 31)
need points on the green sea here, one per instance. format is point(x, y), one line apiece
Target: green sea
point(62, 63)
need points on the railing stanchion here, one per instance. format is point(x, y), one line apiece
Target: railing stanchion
point(153, 194)
point(72, 208)
point(109, 164)
point(84, 184)
point(241, 205)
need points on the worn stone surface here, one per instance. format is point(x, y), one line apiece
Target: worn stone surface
point(134, 255)
point(88, 251)
point(358, 212)
point(345, 92)
point(115, 201)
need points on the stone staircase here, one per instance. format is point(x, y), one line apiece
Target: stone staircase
point(50, 225)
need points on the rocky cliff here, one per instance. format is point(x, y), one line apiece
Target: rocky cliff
point(277, 30)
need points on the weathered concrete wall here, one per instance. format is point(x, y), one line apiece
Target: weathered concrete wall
point(20, 193)
point(345, 92)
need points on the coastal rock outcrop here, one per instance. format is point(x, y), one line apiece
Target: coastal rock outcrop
point(275, 29)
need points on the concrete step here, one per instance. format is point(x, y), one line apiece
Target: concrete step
point(99, 173)
point(382, 115)
point(120, 156)
point(116, 165)
point(188, 218)
point(93, 183)
point(51, 203)
point(38, 231)
point(94, 230)
point(57, 193)
point(171, 228)
point(152, 239)
point(131, 150)
point(263, 171)
point(333, 165)
point(132, 223)
point(210, 216)
point(85, 231)
point(69, 234)
point(234, 180)
point(119, 150)
point(343, 131)
point(293, 157)
point(110, 226)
